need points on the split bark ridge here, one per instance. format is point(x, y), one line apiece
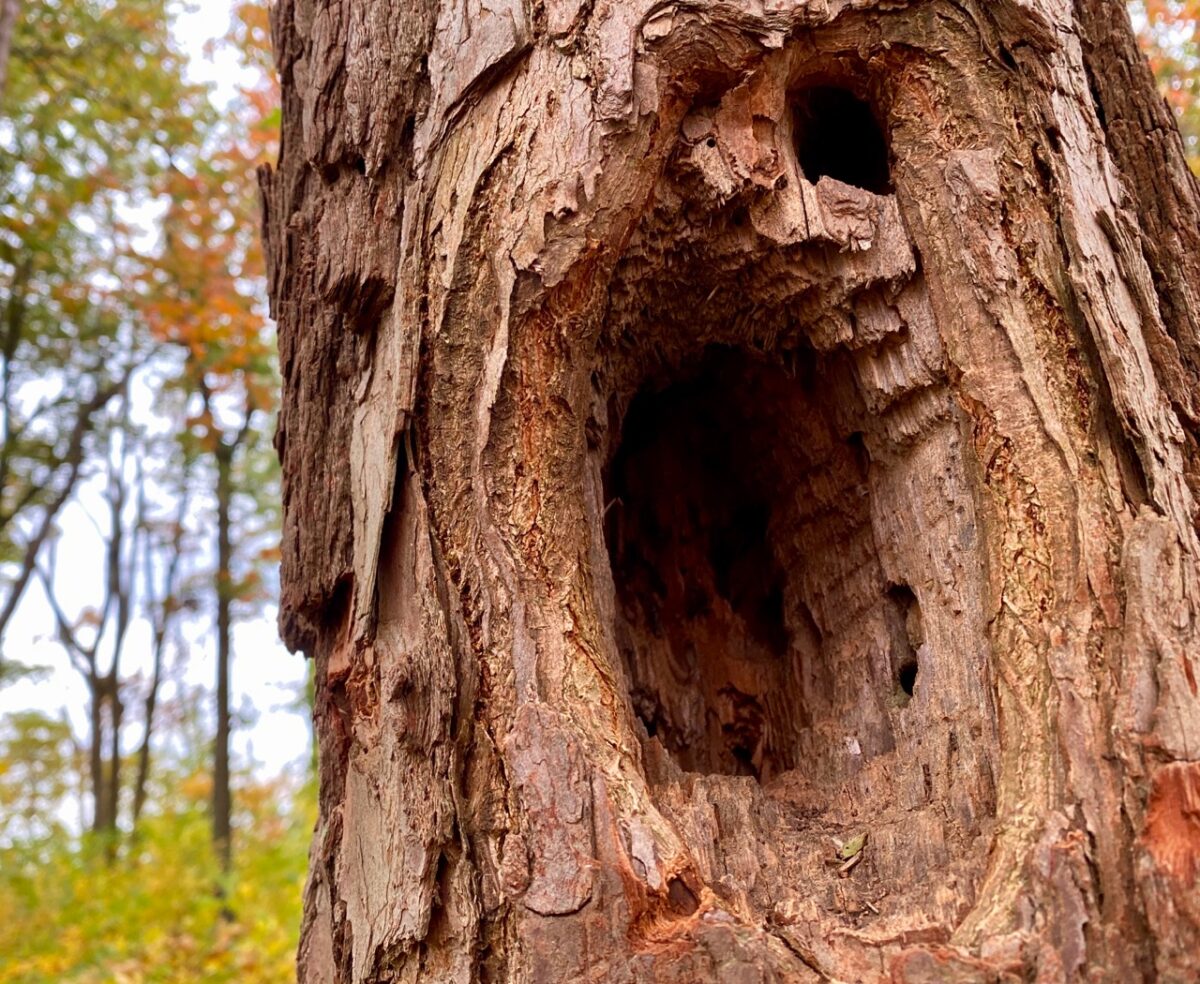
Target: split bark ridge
point(716, 433)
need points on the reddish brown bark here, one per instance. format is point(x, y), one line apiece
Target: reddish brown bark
point(714, 433)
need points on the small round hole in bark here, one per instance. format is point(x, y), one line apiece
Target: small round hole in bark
point(837, 136)
point(907, 677)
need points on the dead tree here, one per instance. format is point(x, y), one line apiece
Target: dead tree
point(716, 432)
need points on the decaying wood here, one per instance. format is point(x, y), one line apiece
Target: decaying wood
point(740, 490)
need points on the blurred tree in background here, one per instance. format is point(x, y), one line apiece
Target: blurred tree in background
point(138, 386)
point(95, 105)
point(1170, 36)
point(206, 299)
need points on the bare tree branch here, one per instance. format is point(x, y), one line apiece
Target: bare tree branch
point(74, 462)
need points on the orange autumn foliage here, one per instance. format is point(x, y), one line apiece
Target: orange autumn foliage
point(1170, 37)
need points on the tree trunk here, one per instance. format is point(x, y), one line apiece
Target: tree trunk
point(222, 796)
point(714, 433)
point(10, 10)
point(164, 610)
point(112, 791)
point(100, 801)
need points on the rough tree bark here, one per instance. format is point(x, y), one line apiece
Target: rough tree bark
point(715, 428)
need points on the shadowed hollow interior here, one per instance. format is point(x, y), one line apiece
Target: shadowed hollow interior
point(740, 542)
point(790, 525)
point(838, 136)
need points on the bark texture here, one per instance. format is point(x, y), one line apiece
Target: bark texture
point(714, 432)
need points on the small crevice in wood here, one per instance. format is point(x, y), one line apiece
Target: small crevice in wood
point(908, 636)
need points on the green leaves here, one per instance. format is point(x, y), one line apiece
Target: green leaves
point(852, 847)
point(37, 762)
point(95, 108)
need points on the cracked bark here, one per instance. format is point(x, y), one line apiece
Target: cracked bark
point(714, 429)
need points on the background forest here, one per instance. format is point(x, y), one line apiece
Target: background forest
point(156, 774)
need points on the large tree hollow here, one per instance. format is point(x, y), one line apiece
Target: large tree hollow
point(716, 551)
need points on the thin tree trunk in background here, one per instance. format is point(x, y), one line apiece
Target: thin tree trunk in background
point(740, 483)
point(119, 596)
point(110, 792)
point(226, 450)
point(104, 768)
point(96, 754)
point(149, 707)
point(222, 800)
point(104, 688)
point(168, 606)
point(9, 11)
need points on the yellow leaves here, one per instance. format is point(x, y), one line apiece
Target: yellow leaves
point(153, 917)
point(197, 787)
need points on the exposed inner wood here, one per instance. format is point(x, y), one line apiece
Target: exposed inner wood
point(792, 538)
point(721, 553)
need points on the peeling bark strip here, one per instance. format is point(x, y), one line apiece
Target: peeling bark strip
point(741, 490)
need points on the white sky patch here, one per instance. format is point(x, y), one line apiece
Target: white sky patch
point(196, 25)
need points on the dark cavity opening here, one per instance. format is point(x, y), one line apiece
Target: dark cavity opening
point(837, 136)
point(908, 635)
point(690, 538)
point(682, 899)
point(717, 536)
